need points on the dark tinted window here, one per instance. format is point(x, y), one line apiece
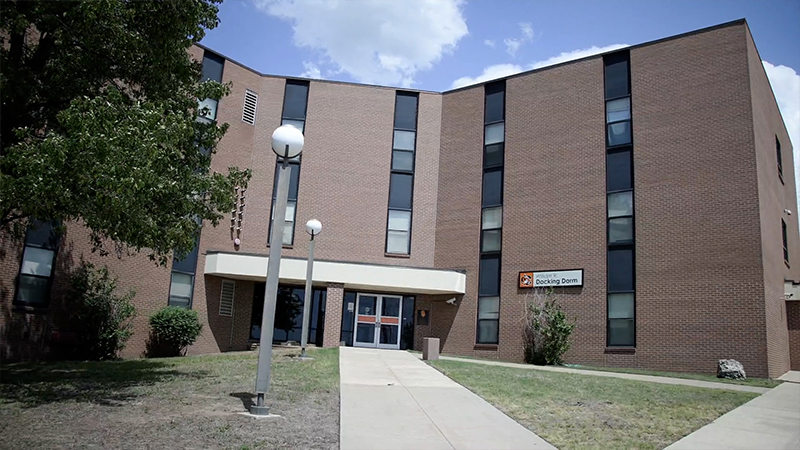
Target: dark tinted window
point(493, 187)
point(42, 234)
point(294, 101)
point(294, 180)
point(405, 112)
point(348, 318)
point(493, 155)
point(495, 108)
point(188, 263)
point(620, 270)
point(400, 191)
point(489, 283)
point(616, 76)
point(212, 66)
point(780, 157)
point(619, 133)
point(618, 171)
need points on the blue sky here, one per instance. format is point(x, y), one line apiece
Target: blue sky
point(441, 44)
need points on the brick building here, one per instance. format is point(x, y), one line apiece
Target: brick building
point(655, 182)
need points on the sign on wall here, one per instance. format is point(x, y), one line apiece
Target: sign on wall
point(555, 278)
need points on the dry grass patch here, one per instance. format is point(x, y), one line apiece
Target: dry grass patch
point(186, 402)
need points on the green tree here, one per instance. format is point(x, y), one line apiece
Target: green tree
point(100, 121)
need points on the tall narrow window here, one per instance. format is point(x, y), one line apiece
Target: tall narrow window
point(487, 331)
point(621, 326)
point(780, 157)
point(212, 70)
point(401, 180)
point(295, 102)
point(182, 279)
point(785, 245)
point(183, 268)
point(36, 270)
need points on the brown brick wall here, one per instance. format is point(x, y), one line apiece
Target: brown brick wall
point(459, 212)
point(775, 195)
point(333, 315)
point(793, 324)
point(554, 199)
point(700, 289)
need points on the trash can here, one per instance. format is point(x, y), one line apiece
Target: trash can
point(430, 349)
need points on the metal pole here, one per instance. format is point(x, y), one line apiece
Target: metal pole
point(307, 300)
point(271, 291)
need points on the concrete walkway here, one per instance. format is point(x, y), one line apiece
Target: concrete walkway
point(627, 376)
point(792, 376)
point(392, 400)
point(771, 421)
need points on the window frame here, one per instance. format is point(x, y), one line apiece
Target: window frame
point(55, 246)
point(779, 156)
point(628, 147)
point(296, 161)
point(478, 322)
point(785, 242)
point(404, 172)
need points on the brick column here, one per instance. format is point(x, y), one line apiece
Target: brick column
point(333, 315)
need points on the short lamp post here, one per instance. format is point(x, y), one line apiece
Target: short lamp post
point(313, 227)
point(287, 143)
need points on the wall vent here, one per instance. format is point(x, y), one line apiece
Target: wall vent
point(226, 298)
point(249, 109)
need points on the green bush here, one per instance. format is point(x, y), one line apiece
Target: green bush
point(172, 329)
point(547, 329)
point(103, 319)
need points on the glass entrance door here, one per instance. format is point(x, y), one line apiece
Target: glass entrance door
point(378, 321)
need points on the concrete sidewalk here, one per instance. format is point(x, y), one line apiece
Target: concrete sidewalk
point(392, 400)
point(627, 376)
point(771, 421)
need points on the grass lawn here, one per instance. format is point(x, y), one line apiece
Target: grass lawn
point(188, 402)
point(755, 382)
point(580, 411)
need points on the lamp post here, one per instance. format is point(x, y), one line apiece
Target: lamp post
point(287, 142)
point(313, 227)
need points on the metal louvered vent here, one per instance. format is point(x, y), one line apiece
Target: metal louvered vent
point(226, 298)
point(249, 110)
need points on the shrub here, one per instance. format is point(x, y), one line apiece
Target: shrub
point(172, 329)
point(102, 318)
point(547, 329)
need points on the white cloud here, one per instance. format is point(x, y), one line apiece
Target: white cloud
point(527, 30)
point(786, 86)
point(311, 70)
point(513, 44)
point(489, 42)
point(382, 42)
point(504, 70)
point(489, 73)
point(575, 54)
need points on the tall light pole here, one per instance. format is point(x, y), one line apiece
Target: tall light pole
point(287, 142)
point(313, 227)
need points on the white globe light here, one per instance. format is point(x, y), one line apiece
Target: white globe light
point(313, 227)
point(287, 141)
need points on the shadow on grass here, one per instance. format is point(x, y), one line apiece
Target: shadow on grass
point(110, 383)
point(246, 398)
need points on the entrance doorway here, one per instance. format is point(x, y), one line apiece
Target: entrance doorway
point(378, 321)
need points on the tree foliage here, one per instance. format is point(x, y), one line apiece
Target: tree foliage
point(547, 329)
point(102, 317)
point(100, 121)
